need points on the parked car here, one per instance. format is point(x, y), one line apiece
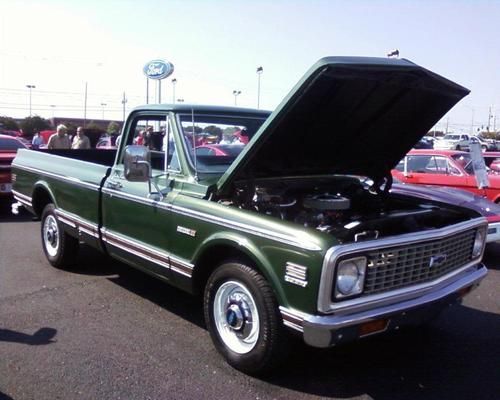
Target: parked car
point(444, 168)
point(423, 144)
point(8, 149)
point(228, 150)
point(458, 197)
point(453, 141)
point(492, 161)
point(486, 145)
point(106, 142)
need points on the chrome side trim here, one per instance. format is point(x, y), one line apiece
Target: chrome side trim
point(82, 225)
point(269, 234)
point(23, 199)
point(292, 318)
point(136, 248)
point(328, 271)
point(137, 199)
point(72, 180)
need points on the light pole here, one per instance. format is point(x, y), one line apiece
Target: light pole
point(236, 93)
point(259, 73)
point(52, 106)
point(30, 87)
point(103, 105)
point(174, 82)
point(124, 101)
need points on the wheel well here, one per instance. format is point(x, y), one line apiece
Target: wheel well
point(41, 198)
point(211, 259)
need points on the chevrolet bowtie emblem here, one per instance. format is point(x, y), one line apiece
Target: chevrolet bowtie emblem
point(437, 260)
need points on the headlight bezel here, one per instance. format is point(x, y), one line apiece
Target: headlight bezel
point(479, 242)
point(360, 265)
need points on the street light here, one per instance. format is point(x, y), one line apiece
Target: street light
point(103, 105)
point(259, 73)
point(124, 101)
point(174, 82)
point(236, 93)
point(53, 106)
point(30, 87)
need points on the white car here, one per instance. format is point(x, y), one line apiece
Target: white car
point(453, 141)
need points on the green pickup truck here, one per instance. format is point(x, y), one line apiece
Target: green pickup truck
point(283, 222)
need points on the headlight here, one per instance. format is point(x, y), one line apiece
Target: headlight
point(350, 277)
point(479, 242)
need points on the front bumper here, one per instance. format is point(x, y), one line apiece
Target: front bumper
point(330, 330)
point(493, 232)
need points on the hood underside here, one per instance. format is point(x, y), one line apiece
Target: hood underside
point(347, 115)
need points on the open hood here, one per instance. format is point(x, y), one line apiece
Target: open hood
point(347, 115)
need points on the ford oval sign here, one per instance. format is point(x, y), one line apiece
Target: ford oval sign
point(158, 69)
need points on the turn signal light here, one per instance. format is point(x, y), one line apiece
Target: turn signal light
point(368, 328)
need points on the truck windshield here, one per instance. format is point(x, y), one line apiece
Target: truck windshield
point(217, 139)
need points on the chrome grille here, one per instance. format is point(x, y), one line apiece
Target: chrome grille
point(400, 266)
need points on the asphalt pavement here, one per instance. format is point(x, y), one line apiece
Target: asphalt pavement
point(106, 331)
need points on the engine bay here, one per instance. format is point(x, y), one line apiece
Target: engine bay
point(345, 206)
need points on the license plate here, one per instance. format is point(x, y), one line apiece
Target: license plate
point(5, 187)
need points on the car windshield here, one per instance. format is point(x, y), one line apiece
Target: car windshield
point(451, 137)
point(465, 161)
point(10, 144)
point(218, 139)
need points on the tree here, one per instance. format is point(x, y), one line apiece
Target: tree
point(9, 124)
point(113, 128)
point(30, 125)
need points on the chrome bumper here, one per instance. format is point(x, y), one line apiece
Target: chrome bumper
point(493, 232)
point(329, 330)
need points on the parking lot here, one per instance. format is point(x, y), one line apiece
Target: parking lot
point(106, 331)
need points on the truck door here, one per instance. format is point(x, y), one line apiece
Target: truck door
point(135, 221)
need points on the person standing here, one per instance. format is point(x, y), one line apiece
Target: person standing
point(60, 139)
point(37, 141)
point(80, 141)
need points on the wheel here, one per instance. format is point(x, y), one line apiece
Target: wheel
point(243, 319)
point(458, 148)
point(59, 247)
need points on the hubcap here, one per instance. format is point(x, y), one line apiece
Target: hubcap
point(51, 235)
point(236, 317)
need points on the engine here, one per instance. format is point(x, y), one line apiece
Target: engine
point(344, 206)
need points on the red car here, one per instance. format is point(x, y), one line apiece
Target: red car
point(8, 149)
point(492, 161)
point(444, 168)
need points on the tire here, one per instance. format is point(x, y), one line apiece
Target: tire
point(242, 316)
point(458, 148)
point(59, 247)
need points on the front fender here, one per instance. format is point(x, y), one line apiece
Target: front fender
point(246, 246)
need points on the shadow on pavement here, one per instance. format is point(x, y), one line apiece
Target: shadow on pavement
point(3, 396)
point(164, 295)
point(454, 358)
point(40, 337)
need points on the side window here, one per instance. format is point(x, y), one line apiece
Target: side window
point(419, 164)
point(441, 165)
point(155, 132)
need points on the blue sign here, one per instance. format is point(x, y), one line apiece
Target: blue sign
point(158, 69)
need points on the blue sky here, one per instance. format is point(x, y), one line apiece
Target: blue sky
point(216, 47)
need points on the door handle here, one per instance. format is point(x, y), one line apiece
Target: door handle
point(113, 185)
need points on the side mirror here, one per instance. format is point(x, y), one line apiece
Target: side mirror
point(137, 163)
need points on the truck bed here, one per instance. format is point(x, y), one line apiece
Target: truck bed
point(102, 157)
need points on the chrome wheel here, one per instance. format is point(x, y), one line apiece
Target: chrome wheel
point(51, 235)
point(236, 317)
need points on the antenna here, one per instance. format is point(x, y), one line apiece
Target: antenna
point(194, 147)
